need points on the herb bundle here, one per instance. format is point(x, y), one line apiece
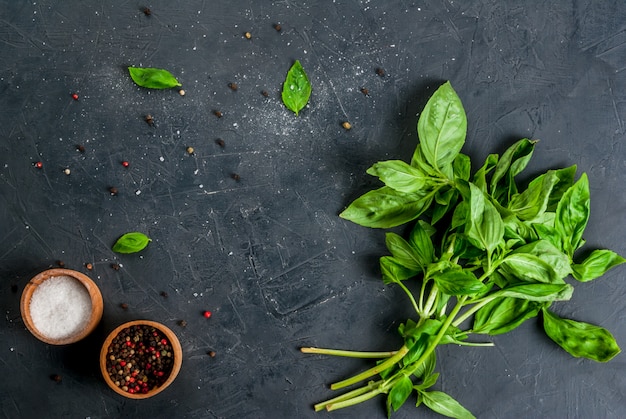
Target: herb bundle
point(488, 255)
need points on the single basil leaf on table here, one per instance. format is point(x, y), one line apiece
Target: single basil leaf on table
point(444, 404)
point(572, 214)
point(580, 339)
point(596, 265)
point(131, 243)
point(442, 127)
point(296, 88)
point(153, 78)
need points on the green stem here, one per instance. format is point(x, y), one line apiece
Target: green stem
point(347, 396)
point(472, 310)
point(349, 354)
point(431, 300)
point(410, 295)
point(389, 362)
point(355, 400)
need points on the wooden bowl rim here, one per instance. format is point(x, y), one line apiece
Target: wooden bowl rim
point(177, 352)
point(88, 283)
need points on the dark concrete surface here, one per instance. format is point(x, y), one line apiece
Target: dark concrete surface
point(268, 254)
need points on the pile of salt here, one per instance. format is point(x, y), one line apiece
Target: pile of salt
point(60, 307)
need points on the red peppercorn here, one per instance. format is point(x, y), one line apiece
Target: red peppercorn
point(39, 165)
point(123, 363)
point(75, 96)
point(207, 314)
point(160, 373)
point(125, 163)
point(164, 341)
point(157, 354)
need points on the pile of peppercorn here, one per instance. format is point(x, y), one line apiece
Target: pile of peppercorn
point(139, 359)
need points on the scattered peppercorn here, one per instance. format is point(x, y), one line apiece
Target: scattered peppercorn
point(149, 120)
point(278, 27)
point(211, 354)
point(182, 323)
point(164, 294)
point(115, 266)
point(56, 377)
point(89, 266)
point(190, 150)
point(38, 165)
point(125, 163)
point(146, 11)
point(220, 142)
point(346, 125)
point(75, 96)
point(218, 114)
point(113, 190)
point(365, 91)
point(181, 92)
point(124, 306)
point(265, 93)
point(207, 314)
point(380, 72)
point(235, 176)
point(248, 35)
point(80, 148)
point(233, 86)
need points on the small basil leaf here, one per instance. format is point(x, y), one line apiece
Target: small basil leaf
point(398, 394)
point(444, 404)
point(512, 162)
point(530, 268)
point(400, 176)
point(485, 228)
point(572, 214)
point(547, 252)
point(503, 314)
point(462, 166)
point(480, 177)
point(458, 282)
point(538, 292)
point(131, 243)
point(580, 339)
point(393, 271)
point(566, 180)
point(153, 78)
point(442, 127)
point(596, 265)
point(534, 200)
point(420, 241)
point(386, 207)
point(296, 88)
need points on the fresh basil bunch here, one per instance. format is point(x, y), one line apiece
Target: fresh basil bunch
point(488, 254)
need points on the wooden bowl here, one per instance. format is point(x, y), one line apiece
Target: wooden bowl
point(176, 353)
point(89, 324)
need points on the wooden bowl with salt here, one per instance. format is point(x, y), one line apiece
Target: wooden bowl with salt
point(61, 306)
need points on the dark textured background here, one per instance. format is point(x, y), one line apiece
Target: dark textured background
point(268, 255)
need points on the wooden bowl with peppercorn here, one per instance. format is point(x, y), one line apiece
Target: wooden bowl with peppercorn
point(61, 306)
point(141, 358)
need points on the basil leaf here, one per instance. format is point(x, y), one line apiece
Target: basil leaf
point(580, 339)
point(512, 162)
point(480, 177)
point(420, 241)
point(444, 404)
point(458, 282)
point(386, 207)
point(131, 243)
point(462, 166)
point(503, 315)
point(484, 228)
point(153, 78)
point(596, 265)
point(442, 127)
point(398, 394)
point(538, 292)
point(534, 200)
point(547, 252)
point(393, 271)
point(565, 181)
point(400, 176)
point(404, 253)
point(296, 88)
point(426, 368)
point(572, 214)
point(530, 268)
point(428, 382)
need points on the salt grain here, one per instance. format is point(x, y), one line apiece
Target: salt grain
point(60, 307)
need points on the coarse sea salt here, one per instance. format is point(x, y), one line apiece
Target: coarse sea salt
point(60, 307)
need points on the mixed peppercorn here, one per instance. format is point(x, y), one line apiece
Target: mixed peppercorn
point(139, 359)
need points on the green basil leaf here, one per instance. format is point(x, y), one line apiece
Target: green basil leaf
point(404, 253)
point(485, 228)
point(462, 166)
point(443, 203)
point(548, 233)
point(385, 208)
point(393, 271)
point(518, 230)
point(428, 382)
point(596, 265)
point(296, 88)
point(547, 252)
point(153, 78)
point(480, 177)
point(442, 127)
point(420, 241)
point(534, 200)
point(131, 243)
point(580, 339)
point(538, 292)
point(572, 214)
point(512, 162)
point(419, 162)
point(398, 394)
point(530, 268)
point(444, 404)
point(565, 181)
point(400, 176)
point(458, 282)
point(426, 368)
point(503, 315)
